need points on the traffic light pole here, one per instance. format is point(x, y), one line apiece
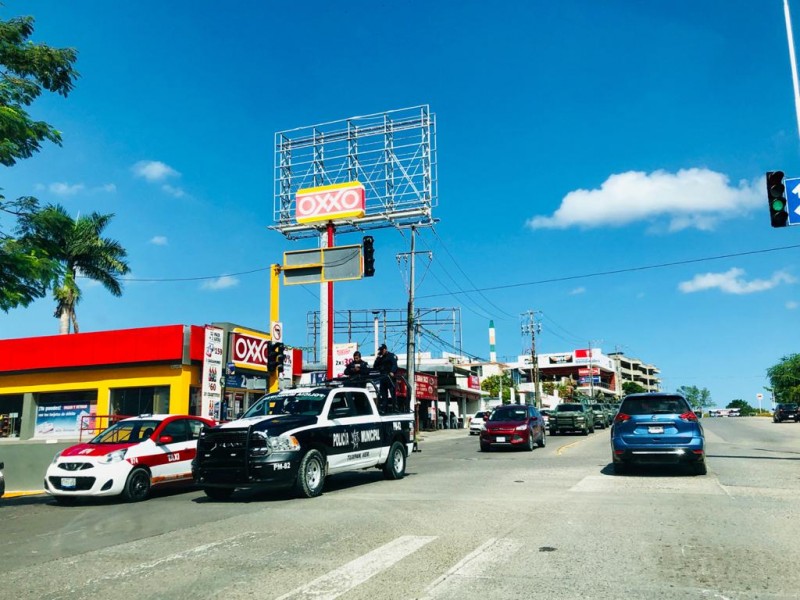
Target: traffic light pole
point(411, 345)
point(274, 317)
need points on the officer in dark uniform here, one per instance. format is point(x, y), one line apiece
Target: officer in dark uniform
point(357, 369)
point(386, 364)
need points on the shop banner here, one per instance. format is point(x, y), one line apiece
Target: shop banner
point(213, 370)
point(63, 419)
point(342, 356)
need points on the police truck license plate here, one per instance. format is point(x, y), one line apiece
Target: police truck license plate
point(656, 429)
point(501, 438)
point(68, 482)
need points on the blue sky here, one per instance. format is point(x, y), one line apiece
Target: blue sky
point(575, 139)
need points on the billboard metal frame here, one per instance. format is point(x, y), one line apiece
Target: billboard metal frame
point(393, 154)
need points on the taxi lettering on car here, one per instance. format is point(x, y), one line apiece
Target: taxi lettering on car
point(297, 437)
point(128, 458)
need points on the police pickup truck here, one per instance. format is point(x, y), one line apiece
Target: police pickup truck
point(296, 437)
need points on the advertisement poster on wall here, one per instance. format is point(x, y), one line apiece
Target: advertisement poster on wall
point(213, 370)
point(342, 356)
point(63, 419)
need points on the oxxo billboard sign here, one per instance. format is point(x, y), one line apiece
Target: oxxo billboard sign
point(330, 202)
point(250, 351)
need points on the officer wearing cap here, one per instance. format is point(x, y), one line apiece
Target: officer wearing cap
point(386, 364)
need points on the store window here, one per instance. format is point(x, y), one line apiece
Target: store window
point(138, 401)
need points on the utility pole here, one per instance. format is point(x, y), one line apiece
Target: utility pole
point(530, 326)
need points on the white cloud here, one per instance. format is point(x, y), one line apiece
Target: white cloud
point(731, 282)
point(696, 198)
point(220, 283)
point(577, 290)
point(108, 187)
point(154, 170)
point(173, 191)
point(791, 305)
point(65, 189)
point(158, 240)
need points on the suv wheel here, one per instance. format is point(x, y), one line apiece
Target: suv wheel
point(311, 474)
point(699, 468)
point(395, 465)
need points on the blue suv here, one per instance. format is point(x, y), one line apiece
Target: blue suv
point(657, 429)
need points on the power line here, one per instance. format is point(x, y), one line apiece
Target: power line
point(628, 270)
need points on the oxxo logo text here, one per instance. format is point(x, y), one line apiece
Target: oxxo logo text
point(324, 203)
point(250, 350)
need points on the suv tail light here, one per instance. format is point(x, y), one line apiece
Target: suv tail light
point(621, 418)
point(688, 416)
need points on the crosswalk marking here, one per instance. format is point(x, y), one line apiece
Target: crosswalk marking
point(335, 583)
point(474, 565)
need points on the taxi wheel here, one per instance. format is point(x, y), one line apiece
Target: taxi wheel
point(137, 487)
point(395, 465)
point(311, 474)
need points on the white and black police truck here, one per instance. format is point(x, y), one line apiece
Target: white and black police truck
point(295, 438)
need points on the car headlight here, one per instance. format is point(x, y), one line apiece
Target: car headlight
point(56, 457)
point(521, 427)
point(284, 443)
point(113, 457)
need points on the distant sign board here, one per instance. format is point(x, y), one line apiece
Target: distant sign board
point(793, 201)
point(330, 202)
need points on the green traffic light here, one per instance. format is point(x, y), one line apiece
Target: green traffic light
point(778, 204)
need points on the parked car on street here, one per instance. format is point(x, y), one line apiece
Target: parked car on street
point(657, 429)
point(545, 412)
point(477, 421)
point(514, 425)
point(571, 416)
point(127, 459)
point(785, 412)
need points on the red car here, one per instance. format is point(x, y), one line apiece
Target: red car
point(514, 426)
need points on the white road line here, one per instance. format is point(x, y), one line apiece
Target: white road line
point(341, 580)
point(179, 556)
point(474, 565)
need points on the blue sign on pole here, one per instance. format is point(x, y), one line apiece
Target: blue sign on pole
point(793, 200)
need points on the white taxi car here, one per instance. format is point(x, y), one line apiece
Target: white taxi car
point(477, 421)
point(127, 459)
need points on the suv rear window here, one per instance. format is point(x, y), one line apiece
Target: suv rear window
point(789, 406)
point(509, 414)
point(648, 405)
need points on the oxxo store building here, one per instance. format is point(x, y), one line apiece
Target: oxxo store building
point(67, 386)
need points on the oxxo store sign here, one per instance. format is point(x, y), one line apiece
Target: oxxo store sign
point(249, 350)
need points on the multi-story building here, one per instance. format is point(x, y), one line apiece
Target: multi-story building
point(633, 369)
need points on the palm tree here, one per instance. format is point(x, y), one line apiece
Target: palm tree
point(81, 251)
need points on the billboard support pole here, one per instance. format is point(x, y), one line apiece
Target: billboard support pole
point(329, 370)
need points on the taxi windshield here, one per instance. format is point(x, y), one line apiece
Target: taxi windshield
point(126, 432)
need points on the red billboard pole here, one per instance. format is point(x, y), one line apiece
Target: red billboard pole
point(329, 370)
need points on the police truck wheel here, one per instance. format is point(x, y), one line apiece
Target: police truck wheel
point(219, 493)
point(311, 474)
point(395, 465)
point(137, 487)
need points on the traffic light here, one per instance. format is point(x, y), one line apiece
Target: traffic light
point(276, 357)
point(369, 256)
point(776, 193)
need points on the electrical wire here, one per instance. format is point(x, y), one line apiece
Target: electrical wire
point(628, 270)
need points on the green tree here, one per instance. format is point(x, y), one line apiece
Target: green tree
point(631, 387)
point(744, 408)
point(784, 379)
point(26, 69)
point(698, 398)
point(80, 249)
point(492, 384)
